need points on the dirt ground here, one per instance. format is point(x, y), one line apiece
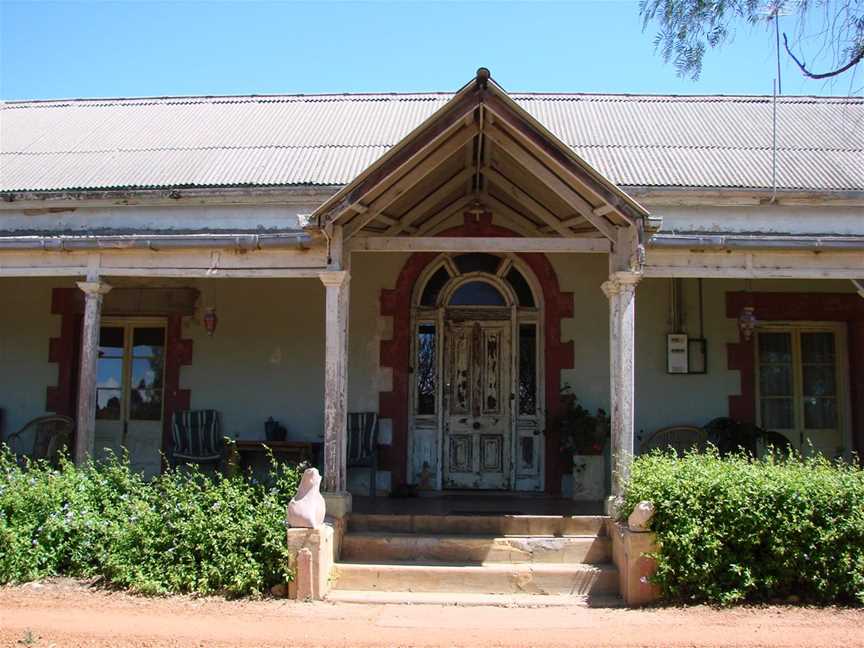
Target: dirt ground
point(65, 613)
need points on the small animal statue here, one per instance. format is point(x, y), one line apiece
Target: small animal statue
point(306, 508)
point(641, 516)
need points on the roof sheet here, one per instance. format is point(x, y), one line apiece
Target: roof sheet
point(634, 140)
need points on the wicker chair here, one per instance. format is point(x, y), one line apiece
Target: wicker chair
point(679, 438)
point(52, 435)
point(196, 437)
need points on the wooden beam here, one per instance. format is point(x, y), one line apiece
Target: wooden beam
point(519, 222)
point(552, 181)
point(476, 244)
point(423, 168)
point(440, 217)
point(429, 201)
point(527, 201)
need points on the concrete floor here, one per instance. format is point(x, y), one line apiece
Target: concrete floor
point(474, 503)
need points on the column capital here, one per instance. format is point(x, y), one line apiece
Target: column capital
point(335, 278)
point(94, 288)
point(619, 282)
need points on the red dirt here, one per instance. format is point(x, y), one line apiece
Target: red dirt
point(65, 613)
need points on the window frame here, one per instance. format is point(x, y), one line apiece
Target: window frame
point(799, 432)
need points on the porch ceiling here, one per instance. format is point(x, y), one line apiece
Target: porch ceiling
point(481, 151)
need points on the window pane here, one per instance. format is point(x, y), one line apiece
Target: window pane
point(147, 373)
point(111, 342)
point(108, 404)
point(477, 293)
point(527, 369)
point(817, 347)
point(147, 342)
point(145, 404)
point(477, 262)
point(777, 414)
point(426, 368)
point(820, 413)
point(819, 380)
point(775, 380)
point(433, 287)
point(109, 373)
point(775, 347)
point(520, 287)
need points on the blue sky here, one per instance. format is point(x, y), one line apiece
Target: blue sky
point(107, 49)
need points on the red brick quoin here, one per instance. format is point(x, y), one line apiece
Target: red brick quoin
point(395, 353)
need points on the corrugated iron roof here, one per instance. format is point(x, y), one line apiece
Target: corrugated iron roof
point(634, 140)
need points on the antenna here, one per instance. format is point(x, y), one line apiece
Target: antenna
point(773, 10)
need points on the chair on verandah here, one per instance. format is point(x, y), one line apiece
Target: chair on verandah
point(196, 437)
point(52, 435)
point(363, 444)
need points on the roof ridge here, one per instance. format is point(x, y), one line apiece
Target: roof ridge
point(417, 96)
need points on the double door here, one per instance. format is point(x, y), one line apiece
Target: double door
point(130, 391)
point(478, 405)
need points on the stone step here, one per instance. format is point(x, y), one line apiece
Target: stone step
point(367, 597)
point(394, 547)
point(493, 578)
point(488, 525)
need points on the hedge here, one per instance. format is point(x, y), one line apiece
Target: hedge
point(182, 532)
point(733, 529)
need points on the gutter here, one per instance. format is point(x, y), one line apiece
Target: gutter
point(744, 242)
point(236, 242)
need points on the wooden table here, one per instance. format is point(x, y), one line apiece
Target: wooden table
point(294, 451)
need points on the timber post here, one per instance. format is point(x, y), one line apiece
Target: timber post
point(85, 427)
point(336, 284)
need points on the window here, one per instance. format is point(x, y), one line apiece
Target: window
point(798, 384)
point(477, 293)
point(433, 287)
point(527, 369)
point(426, 370)
point(477, 262)
point(520, 287)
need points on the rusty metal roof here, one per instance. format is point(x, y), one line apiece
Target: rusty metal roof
point(700, 142)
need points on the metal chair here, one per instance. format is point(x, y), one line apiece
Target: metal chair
point(363, 444)
point(196, 437)
point(52, 435)
point(679, 438)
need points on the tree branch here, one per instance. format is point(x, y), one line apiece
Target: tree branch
point(824, 75)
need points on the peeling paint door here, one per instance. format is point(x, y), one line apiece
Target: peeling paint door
point(129, 392)
point(478, 400)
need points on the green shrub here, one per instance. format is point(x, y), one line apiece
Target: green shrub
point(184, 531)
point(734, 529)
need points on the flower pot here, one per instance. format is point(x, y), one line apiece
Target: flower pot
point(589, 477)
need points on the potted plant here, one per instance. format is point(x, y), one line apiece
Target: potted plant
point(584, 436)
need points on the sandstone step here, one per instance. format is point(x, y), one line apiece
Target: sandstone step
point(388, 546)
point(489, 525)
point(367, 597)
point(494, 578)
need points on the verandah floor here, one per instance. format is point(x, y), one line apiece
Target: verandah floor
point(474, 503)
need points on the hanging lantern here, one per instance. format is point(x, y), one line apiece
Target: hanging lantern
point(210, 320)
point(747, 322)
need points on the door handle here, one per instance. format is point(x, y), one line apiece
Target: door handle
point(476, 425)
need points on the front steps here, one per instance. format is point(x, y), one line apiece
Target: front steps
point(475, 560)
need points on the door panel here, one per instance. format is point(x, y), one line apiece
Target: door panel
point(478, 416)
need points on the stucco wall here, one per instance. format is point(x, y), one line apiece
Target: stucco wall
point(26, 324)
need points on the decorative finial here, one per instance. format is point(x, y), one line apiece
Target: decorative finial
point(483, 75)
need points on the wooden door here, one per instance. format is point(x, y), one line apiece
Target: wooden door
point(129, 392)
point(478, 402)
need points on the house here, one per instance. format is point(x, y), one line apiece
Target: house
point(448, 261)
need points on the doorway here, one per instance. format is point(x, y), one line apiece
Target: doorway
point(477, 419)
point(130, 391)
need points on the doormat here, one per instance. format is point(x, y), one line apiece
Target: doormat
point(484, 512)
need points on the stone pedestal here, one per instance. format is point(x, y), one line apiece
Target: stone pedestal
point(311, 560)
point(634, 567)
point(589, 477)
point(338, 505)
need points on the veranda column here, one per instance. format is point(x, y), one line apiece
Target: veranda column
point(621, 291)
point(336, 284)
point(85, 426)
